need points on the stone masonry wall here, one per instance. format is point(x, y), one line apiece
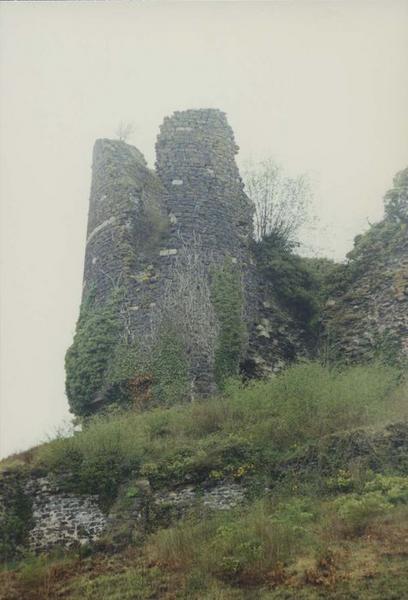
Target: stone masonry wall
point(62, 519)
point(125, 195)
point(196, 163)
point(196, 196)
point(58, 518)
point(195, 153)
point(141, 221)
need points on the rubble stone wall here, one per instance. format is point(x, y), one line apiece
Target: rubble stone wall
point(140, 221)
point(62, 519)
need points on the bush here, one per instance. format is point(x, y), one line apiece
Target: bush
point(394, 488)
point(245, 546)
point(358, 512)
point(15, 517)
point(301, 285)
point(246, 431)
point(309, 401)
point(396, 199)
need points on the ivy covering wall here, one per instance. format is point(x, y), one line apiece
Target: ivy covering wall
point(16, 517)
point(88, 359)
point(169, 367)
point(227, 298)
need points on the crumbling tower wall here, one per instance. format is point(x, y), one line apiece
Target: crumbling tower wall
point(196, 164)
point(122, 186)
point(207, 206)
point(141, 226)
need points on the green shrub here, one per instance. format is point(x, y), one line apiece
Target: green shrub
point(396, 199)
point(394, 488)
point(242, 545)
point(358, 512)
point(15, 517)
point(298, 283)
point(243, 433)
point(309, 401)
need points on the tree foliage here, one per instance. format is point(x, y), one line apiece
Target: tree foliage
point(396, 199)
point(301, 284)
point(281, 203)
point(125, 130)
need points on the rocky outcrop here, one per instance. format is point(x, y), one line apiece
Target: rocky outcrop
point(368, 316)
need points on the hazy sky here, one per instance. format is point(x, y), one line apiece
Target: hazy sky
point(320, 86)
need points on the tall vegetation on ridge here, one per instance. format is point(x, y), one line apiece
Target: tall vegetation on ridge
point(281, 203)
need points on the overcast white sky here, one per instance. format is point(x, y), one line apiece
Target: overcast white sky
point(320, 86)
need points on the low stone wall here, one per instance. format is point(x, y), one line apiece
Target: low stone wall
point(221, 497)
point(138, 509)
point(61, 518)
point(55, 517)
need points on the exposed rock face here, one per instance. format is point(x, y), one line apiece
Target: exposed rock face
point(221, 497)
point(369, 316)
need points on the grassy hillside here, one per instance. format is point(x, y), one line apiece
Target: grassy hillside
point(322, 456)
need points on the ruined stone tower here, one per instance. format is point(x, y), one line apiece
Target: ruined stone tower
point(122, 188)
point(196, 164)
point(174, 300)
point(141, 222)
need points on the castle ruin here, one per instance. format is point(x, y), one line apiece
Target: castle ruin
point(172, 283)
point(142, 222)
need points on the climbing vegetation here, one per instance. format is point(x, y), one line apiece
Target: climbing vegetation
point(15, 517)
point(396, 199)
point(227, 298)
point(301, 285)
point(169, 366)
point(88, 359)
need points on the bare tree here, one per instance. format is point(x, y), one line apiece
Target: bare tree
point(125, 130)
point(281, 202)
